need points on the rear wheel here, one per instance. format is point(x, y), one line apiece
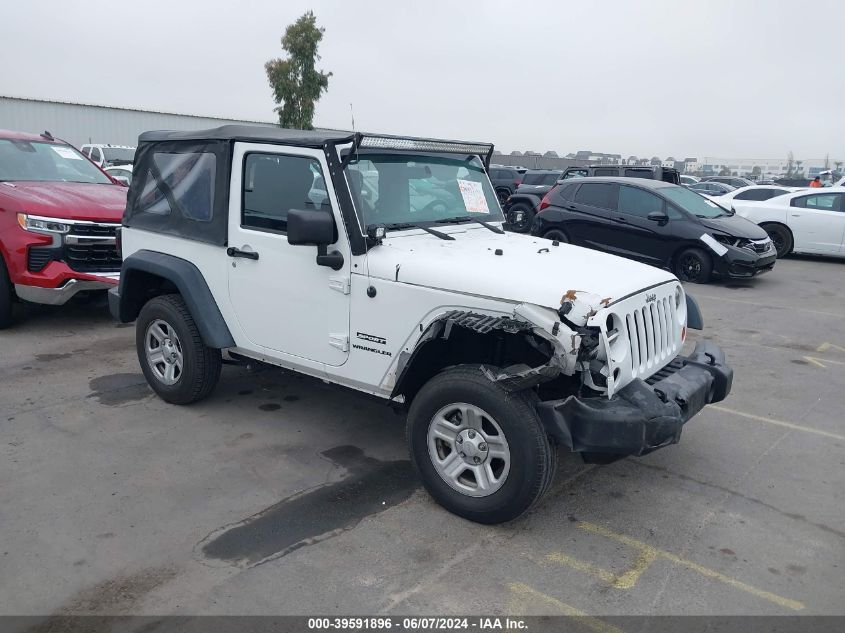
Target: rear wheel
point(693, 265)
point(521, 217)
point(7, 297)
point(178, 366)
point(480, 451)
point(556, 235)
point(781, 237)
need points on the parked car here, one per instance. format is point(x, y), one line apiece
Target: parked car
point(733, 181)
point(666, 174)
point(499, 348)
point(106, 155)
point(58, 218)
point(521, 206)
point(711, 188)
point(122, 174)
point(810, 221)
point(656, 223)
point(754, 193)
point(505, 181)
point(689, 180)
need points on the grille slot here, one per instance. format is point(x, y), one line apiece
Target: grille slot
point(37, 257)
point(651, 334)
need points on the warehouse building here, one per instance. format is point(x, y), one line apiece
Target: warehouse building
point(80, 123)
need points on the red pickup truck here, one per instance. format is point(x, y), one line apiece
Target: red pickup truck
point(59, 214)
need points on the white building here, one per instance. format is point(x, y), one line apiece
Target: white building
point(80, 123)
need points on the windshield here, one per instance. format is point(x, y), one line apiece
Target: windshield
point(394, 189)
point(123, 154)
point(693, 203)
point(46, 162)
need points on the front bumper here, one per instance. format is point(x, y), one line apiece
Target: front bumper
point(64, 292)
point(740, 263)
point(644, 415)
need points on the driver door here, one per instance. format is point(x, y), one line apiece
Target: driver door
point(818, 223)
point(283, 301)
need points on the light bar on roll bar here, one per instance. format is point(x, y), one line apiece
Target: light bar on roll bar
point(411, 144)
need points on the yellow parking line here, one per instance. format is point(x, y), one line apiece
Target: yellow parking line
point(705, 571)
point(523, 591)
point(826, 346)
point(588, 568)
point(788, 425)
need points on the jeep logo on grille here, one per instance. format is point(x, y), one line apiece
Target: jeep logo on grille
point(650, 298)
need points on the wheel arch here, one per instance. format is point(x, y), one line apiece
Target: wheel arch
point(461, 337)
point(782, 225)
point(147, 274)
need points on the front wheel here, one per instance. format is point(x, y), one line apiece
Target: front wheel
point(480, 451)
point(521, 217)
point(556, 235)
point(178, 366)
point(693, 265)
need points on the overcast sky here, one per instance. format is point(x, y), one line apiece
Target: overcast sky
point(719, 78)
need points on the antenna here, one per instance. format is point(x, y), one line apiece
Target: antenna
point(351, 112)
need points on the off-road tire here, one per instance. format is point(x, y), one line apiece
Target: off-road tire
point(527, 218)
point(557, 234)
point(533, 457)
point(7, 296)
point(201, 364)
point(780, 236)
point(694, 266)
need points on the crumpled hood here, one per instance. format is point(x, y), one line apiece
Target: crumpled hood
point(66, 200)
point(529, 270)
point(736, 226)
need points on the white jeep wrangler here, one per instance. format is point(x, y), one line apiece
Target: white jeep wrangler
point(379, 263)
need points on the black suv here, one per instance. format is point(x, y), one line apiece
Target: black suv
point(656, 223)
point(505, 180)
point(666, 174)
point(521, 206)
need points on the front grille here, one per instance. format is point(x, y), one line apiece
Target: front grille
point(651, 333)
point(90, 248)
point(761, 246)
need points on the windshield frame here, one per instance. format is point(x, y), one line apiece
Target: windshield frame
point(475, 162)
point(678, 202)
point(101, 177)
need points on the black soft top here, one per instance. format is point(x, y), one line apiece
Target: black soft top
point(253, 133)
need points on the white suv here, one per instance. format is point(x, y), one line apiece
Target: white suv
point(379, 263)
point(106, 155)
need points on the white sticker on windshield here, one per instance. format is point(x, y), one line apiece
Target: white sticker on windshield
point(713, 244)
point(66, 152)
point(473, 196)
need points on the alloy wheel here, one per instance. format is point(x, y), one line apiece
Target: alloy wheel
point(164, 352)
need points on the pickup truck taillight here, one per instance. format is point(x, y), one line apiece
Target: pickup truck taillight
point(517, 183)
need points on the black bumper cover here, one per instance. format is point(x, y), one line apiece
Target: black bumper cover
point(643, 416)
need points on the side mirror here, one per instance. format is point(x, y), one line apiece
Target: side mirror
point(315, 228)
point(658, 216)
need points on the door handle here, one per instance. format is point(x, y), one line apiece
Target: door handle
point(236, 252)
point(620, 220)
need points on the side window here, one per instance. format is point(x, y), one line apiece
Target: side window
point(825, 202)
point(565, 192)
point(752, 194)
point(495, 174)
point(274, 184)
point(605, 171)
point(595, 195)
point(188, 176)
point(550, 179)
point(638, 201)
point(575, 173)
point(674, 213)
point(85, 150)
point(639, 173)
point(96, 155)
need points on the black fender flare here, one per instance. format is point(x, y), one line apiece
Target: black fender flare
point(695, 320)
point(133, 291)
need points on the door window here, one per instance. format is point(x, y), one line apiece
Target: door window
point(273, 184)
point(638, 202)
point(758, 194)
point(96, 156)
point(824, 202)
point(595, 195)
